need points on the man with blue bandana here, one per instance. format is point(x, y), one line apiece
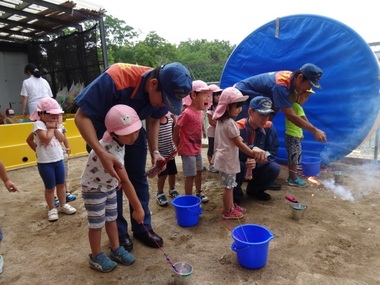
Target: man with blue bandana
point(278, 86)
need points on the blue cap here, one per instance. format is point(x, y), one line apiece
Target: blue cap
point(261, 104)
point(313, 73)
point(176, 84)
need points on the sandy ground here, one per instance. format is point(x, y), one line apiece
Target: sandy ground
point(337, 242)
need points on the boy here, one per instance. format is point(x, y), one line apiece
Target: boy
point(99, 189)
point(187, 137)
point(166, 147)
point(293, 138)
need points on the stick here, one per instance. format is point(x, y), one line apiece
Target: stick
point(160, 166)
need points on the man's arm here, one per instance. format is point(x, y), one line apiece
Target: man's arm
point(87, 130)
point(152, 129)
point(318, 134)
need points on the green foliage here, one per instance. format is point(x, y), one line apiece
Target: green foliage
point(205, 59)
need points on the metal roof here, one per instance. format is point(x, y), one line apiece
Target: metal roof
point(23, 21)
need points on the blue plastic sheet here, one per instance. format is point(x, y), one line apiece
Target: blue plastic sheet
point(346, 107)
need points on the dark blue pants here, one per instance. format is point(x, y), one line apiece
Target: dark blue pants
point(263, 176)
point(134, 162)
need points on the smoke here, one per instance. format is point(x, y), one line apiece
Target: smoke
point(358, 181)
point(338, 190)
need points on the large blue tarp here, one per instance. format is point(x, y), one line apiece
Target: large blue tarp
point(346, 107)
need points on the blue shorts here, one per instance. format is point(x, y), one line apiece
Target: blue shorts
point(101, 206)
point(191, 164)
point(52, 173)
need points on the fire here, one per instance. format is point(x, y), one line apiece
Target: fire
point(313, 180)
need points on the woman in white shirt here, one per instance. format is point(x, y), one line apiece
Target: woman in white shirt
point(33, 89)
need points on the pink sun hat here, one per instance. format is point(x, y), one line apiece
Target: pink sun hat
point(121, 120)
point(229, 95)
point(48, 105)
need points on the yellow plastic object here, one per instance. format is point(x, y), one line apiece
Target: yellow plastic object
point(15, 152)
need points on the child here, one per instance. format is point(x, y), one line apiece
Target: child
point(227, 145)
point(216, 91)
point(66, 151)
point(166, 147)
point(293, 138)
point(187, 137)
point(9, 114)
point(48, 138)
point(99, 189)
point(11, 187)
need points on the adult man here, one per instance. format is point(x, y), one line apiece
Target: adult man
point(151, 93)
point(278, 86)
point(257, 130)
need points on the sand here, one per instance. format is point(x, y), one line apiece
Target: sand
point(337, 241)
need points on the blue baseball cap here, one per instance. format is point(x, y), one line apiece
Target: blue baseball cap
point(176, 84)
point(313, 74)
point(261, 104)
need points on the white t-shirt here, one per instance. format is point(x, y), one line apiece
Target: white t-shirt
point(226, 153)
point(51, 152)
point(35, 89)
point(94, 176)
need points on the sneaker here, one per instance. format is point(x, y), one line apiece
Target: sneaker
point(213, 169)
point(56, 202)
point(67, 209)
point(203, 197)
point(240, 209)
point(102, 263)
point(70, 197)
point(233, 215)
point(53, 215)
point(173, 193)
point(298, 182)
point(122, 256)
point(161, 199)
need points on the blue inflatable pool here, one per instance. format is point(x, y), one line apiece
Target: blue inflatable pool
point(346, 108)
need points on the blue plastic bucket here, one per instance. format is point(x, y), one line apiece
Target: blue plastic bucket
point(311, 166)
point(187, 209)
point(251, 244)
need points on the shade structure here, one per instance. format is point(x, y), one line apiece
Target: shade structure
point(346, 107)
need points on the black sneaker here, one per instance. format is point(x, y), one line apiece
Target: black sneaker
point(161, 199)
point(262, 196)
point(173, 193)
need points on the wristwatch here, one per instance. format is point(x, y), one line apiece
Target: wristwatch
point(155, 152)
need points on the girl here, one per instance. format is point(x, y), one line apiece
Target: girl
point(216, 91)
point(48, 139)
point(227, 145)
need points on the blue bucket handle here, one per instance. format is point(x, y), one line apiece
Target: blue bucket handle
point(198, 211)
point(236, 249)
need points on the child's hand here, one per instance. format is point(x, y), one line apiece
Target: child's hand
point(138, 215)
point(259, 155)
point(11, 186)
point(52, 125)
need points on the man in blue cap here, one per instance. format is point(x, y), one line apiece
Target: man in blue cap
point(151, 93)
point(257, 131)
point(278, 86)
